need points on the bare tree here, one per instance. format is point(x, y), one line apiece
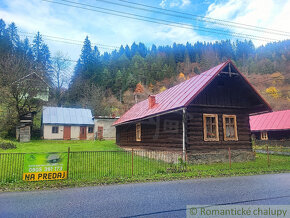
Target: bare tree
point(60, 75)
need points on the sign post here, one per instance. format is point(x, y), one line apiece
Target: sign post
point(45, 166)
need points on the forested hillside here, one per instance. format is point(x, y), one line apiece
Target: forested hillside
point(154, 69)
point(110, 83)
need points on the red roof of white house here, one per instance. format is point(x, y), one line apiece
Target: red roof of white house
point(178, 96)
point(278, 120)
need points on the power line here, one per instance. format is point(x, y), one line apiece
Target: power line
point(189, 26)
point(161, 21)
point(69, 41)
point(196, 17)
point(209, 19)
point(62, 41)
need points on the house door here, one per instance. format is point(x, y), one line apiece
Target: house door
point(100, 132)
point(67, 133)
point(83, 132)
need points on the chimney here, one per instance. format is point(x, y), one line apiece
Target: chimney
point(152, 101)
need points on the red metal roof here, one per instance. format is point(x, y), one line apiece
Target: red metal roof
point(176, 97)
point(278, 120)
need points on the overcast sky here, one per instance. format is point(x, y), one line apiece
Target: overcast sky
point(102, 28)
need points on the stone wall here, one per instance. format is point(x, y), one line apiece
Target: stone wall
point(166, 156)
point(221, 157)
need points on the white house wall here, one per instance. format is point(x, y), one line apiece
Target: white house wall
point(75, 133)
point(90, 136)
point(47, 132)
point(109, 131)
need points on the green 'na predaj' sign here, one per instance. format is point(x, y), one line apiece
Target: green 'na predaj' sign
point(45, 166)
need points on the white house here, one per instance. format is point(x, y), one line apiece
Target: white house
point(67, 123)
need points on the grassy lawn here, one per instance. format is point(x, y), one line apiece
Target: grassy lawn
point(62, 146)
point(103, 162)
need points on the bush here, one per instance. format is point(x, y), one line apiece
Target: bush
point(6, 144)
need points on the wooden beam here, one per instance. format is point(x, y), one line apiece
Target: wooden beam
point(229, 73)
point(218, 106)
point(184, 133)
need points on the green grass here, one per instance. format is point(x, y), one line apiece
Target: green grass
point(36, 146)
point(278, 164)
point(109, 164)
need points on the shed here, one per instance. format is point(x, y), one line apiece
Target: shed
point(67, 123)
point(206, 114)
point(104, 128)
point(23, 129)
point(271, 126)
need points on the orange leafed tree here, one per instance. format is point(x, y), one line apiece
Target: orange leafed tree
point(139, 88)
point(181, 76)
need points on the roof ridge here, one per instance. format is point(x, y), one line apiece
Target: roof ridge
point(186, 81)
point(169, 99)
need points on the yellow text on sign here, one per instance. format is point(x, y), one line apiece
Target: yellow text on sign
point(45, 176)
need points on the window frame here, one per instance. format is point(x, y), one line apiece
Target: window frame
point(90, 127)
point(205, 138)
point(138, 132)
point(55, 132)
point(236, 138)
point(262, 137)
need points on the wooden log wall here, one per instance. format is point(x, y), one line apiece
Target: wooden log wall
point(159, 133)
point(274, 135)
point(195, 135)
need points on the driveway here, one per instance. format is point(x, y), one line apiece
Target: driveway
point(154, 199)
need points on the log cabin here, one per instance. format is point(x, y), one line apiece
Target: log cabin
point(200, 118)
point(271, 128)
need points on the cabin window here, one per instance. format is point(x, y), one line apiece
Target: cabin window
point(210, 127)
point(54, 129)
point(91, 129)
point(230, 127)
point(138, 132)
point(264, 136)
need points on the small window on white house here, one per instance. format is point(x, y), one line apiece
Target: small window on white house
point(210, 127)
point(54, 129)
point(91, 129)
point(264, 135)
point(138, 132)
point(230, 127)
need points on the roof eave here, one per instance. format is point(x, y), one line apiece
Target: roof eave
point(150, 116)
